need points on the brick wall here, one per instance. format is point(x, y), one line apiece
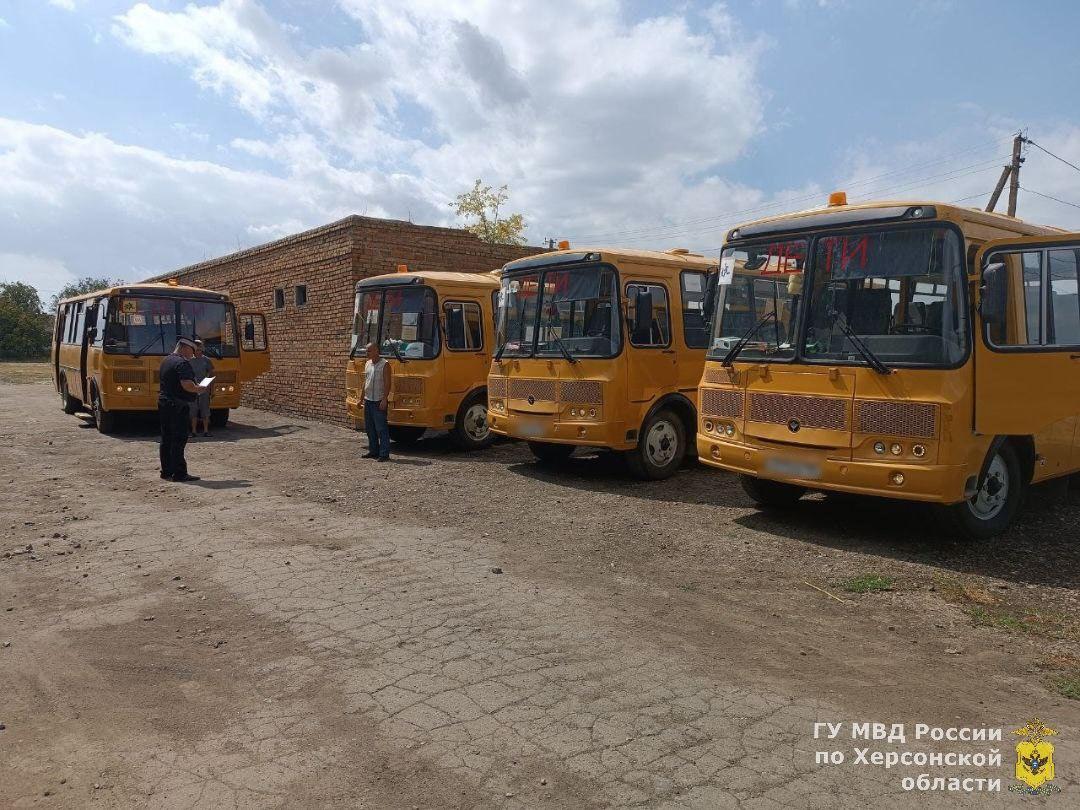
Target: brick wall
point(310, 343)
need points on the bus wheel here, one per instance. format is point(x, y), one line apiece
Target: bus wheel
point(68, 402)
point(405, 435)
point(219, 417)
point(775, 494)
point(995, 504)
point(105, 421)
point(471, 431)
point(661, 447)
point(550, 452)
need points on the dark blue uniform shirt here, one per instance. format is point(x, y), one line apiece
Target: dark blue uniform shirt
point(175, 368)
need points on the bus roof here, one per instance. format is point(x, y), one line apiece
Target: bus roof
point(678, 257)
point(436, 277)
point(883, 211)
point(152, 288)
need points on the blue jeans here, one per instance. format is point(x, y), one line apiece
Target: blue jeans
point(378, 432)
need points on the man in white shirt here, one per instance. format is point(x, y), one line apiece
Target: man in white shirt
point(377, 378)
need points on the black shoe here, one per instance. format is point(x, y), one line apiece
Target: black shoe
point(383, 458)
point(370, 455)
point(182, 479)
point(165, 477)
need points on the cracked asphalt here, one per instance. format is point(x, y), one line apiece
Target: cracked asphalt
point(307, 628)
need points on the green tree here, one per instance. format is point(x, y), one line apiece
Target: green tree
point(86, 284)
point(480, 208)
point(25, 330)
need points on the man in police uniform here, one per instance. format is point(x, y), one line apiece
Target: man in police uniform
point(177, 391)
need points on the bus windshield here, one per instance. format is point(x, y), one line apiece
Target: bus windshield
point(403, 321)
point(577, 310)
point(761, 301)
point(900, 291)
point(141, 325)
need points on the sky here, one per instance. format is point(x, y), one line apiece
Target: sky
point(138, 137)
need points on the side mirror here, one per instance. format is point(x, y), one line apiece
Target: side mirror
point(708, 304)
point(993, 294)
point(643, 311)
point(249, 331)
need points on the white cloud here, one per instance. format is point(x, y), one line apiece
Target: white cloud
point(603, 123)
point(84, 204)
point(47, 275)
point(4, 24)
point(67, 5)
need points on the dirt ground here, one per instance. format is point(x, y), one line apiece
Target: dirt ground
point(305, 628)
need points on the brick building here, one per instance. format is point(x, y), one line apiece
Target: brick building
point(305, 286)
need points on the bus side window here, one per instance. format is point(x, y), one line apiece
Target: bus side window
point(1063, 301)
point(61, 323)
point(695, 331)
point(1022, 325)
point(78, 323)
point(99, 323)
point(657, 332)
point(463, 326)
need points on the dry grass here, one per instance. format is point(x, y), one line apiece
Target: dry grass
point(993, 610)
point(25, 373)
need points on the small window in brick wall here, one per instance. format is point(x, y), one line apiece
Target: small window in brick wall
point(279, 298)
point(301, 294)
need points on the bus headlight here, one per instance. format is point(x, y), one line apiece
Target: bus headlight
point(730, 430)
point(119, 389)
point(918, 450)
point(708, 426)
point(879, 448)
point(897, 449)
point(897, 478)
point(592, 413)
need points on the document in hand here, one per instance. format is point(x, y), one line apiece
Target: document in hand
point(205, 382)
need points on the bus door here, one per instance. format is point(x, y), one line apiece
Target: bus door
point(1027, 355)
point(465, 360)
point(652, 362)
point(254, 345)
point(95, 322)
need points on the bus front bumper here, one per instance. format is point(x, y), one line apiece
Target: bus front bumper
point(431, 418)
point(546, 428)
point(930, 483)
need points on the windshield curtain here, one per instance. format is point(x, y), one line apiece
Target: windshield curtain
point(898, 290)
point(403, 321)
point(577, 310)
point(767, 281)
point(144, 325)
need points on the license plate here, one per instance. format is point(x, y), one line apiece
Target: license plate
point(793, 468)
point(528, 428)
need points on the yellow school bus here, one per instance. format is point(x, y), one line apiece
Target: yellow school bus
point(601, 348)
point(107, 347)
point(909, 350)
point(436, 330)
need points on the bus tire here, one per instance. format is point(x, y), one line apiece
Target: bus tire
point(219, 417)
point(104, 420)
point(551, 452)
point(405, 435)
point(68, 402)
point(661, 447)
point(471, 431)
point(996, 503)
point(771, 494)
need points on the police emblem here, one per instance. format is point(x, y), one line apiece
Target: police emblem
point(1034, 755)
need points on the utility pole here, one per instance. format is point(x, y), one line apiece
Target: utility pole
point(1010, 173)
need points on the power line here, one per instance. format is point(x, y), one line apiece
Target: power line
point(1051, 154)
point(1049, 197)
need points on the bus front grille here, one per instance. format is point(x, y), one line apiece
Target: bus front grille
point(129, 375)
point(413, 386)
point(722, 402)
point(916, 420)
point(225, 377)
point(814, 412)
point(582, 392)
point(538, 390)
point(717, 376)
point(497, 387)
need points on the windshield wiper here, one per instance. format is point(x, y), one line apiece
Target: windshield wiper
point(562, 348)
point(856, 341)
point(397, 352)
point(733, 352)
point(153, 340)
